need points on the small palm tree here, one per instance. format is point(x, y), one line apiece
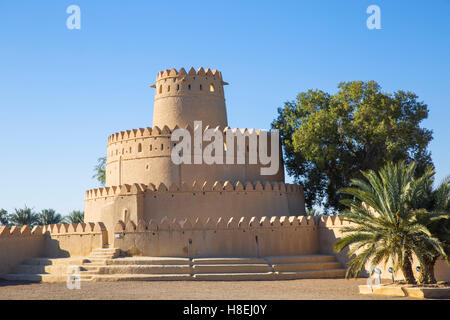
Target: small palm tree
point(385, 226)
point(100, 171)
point(49, 216)
point(24, 216)
point(75, 217)
point(434, 214)
point(4, 217)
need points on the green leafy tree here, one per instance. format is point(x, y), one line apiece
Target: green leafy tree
point(49, 216)
point(24, 216)
point(4, 217)
point(100, 171)
point(75, 217)
point(329, 138)
point(385, 226)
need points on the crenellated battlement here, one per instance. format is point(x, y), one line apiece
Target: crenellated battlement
point(173, 73)
point(205, 186)
point(165, 131)
point(75, 228)
point(24, 231)
point(201, 83)
point(333, 222)
point(211, 223)
point(72, 228)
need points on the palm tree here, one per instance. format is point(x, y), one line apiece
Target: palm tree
point(385, 225)
point(313, 212)
point(4, 217)
point(100, 171)
point(75, 217)
point(434, 214)
point(49, 216)
point(24, 216)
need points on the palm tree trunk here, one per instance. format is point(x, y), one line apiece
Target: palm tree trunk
point(407, 270)
point(427, 271)
point(429, 266)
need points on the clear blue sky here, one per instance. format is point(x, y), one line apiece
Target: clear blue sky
point(62, 92)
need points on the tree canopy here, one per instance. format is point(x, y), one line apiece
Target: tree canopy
point(329, 138)
point(100, 171)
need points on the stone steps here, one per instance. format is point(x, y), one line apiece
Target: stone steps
point(144, 269)
point(235, 276)
point(311, 274)
point(104, 253)
point(231, 260)
point(178, 268)
point(311, 266)
point(140, 277)
point(301, 259)
point(55, 261)
point(149, 261)
point(40, 269)
point(231, 268)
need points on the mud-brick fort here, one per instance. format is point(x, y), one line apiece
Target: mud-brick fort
point(158, 220)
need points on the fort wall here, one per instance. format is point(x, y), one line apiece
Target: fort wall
point(19, 243)
point(222, 237)
point(52, 241)
point(144, 156)
point(203, 200)
point(187, 237)
point(74, 240)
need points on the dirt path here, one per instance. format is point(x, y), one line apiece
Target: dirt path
point(310, 289)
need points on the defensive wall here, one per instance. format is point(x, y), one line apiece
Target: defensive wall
point(212, 237)
point(201, 199)
point(52, 241)
point(186, 237)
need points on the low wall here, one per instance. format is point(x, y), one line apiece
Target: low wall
point(329, 230)
point(74, 240)
point(17, 244)
point(52, 241)
point(238, 237)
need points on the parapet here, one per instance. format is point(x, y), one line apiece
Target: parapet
point(221, 223)
point(73, 228)
point(173, 73)
point(165, 131)
point(333, 222)
point(16, 231)
point(205, 186)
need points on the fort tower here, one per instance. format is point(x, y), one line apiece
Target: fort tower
point(182, 98)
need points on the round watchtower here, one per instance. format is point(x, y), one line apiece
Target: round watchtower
point(182, 98)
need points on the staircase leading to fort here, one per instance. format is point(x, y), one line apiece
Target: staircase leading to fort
point(105, 265)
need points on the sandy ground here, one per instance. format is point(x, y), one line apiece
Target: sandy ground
point(306, 289)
